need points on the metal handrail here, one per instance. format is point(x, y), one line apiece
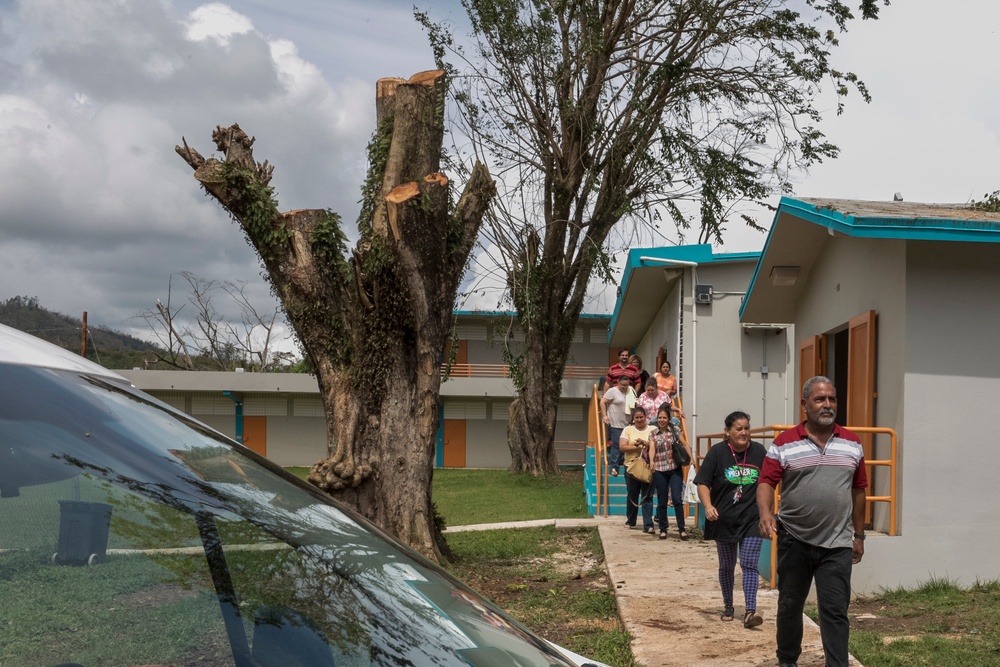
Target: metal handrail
point(598, 438)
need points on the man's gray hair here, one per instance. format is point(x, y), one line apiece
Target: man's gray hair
point(808, 386)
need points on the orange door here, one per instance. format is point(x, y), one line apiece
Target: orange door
point(861, 384)
point(255, 434)
point(454, 443)
point(812, 362)
point(861, 372)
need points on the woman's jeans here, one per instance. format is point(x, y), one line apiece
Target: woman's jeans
point(672, 480)
point(615, 457)
point(638, 493)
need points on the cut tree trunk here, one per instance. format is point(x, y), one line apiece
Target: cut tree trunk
point(374, 325)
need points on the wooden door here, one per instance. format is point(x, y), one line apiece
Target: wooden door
point(812, 362)
point(454, 443)
point(861, 375)
point(255, 434)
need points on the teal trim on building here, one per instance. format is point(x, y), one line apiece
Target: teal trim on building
point(903, 226)
point(912, 222)
point(439, 453)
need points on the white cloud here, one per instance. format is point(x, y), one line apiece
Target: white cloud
point(216, 21)
point(99, 210)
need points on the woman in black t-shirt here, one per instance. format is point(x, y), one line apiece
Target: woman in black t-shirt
point(727, 488)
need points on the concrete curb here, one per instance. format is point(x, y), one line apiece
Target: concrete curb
point(536, 523)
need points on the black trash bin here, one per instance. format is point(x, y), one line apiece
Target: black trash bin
point(83, 532)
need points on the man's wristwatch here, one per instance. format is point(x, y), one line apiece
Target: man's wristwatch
point(859, 536)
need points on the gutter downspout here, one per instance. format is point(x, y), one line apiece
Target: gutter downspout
point(693, 414)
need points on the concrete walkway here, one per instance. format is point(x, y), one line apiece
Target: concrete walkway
point(669, 600)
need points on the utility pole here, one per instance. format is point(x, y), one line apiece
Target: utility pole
point(83, 336)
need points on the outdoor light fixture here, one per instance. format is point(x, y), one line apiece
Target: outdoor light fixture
point(784, 276)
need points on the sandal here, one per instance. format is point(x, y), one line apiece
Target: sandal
point(614, 473)
point(752, 619)
point(647, 530)
point(684, 536)
point(728, 614)
point(663, 534)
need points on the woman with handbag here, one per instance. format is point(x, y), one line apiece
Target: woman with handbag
point(727, 487)
point(635, 442)
point(668, 474)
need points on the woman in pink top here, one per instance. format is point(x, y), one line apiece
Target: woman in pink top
point(652, 398)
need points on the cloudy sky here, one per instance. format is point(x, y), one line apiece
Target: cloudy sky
point(98, 211)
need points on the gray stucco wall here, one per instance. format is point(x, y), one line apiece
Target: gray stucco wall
point(952, 378)
point(718, 362)
point(486, 443)
point(486, 439)
point(851, 277)
point(297, 440)
point(937, 376)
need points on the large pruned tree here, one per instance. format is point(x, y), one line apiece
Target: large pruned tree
point(374, 322)
point(593, 113)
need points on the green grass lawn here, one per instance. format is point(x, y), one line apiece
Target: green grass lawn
point(938, 624)
point(465, 496)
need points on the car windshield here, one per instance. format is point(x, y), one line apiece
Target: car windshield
point(133, 535)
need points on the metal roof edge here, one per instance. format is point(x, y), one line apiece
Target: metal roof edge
point(902, 227)
point(699, 253)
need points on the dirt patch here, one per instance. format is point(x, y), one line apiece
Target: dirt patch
point(871, 616)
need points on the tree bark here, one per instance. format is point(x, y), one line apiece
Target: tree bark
point(374, 325)
point(531, 424)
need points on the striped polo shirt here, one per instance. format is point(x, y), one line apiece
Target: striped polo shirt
point(816, 484)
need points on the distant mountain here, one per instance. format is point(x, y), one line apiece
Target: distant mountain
point(107, 347)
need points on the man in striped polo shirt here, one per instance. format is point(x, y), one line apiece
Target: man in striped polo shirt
point(820, 524)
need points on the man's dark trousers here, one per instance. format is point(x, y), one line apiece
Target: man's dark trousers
point(798, 565)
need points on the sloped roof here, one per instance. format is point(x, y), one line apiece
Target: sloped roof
point(801, 227)
point(644, 285)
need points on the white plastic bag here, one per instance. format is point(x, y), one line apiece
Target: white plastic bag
point(631, 398)
point(690, 488)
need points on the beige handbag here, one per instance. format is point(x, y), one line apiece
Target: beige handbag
point(639, 468)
